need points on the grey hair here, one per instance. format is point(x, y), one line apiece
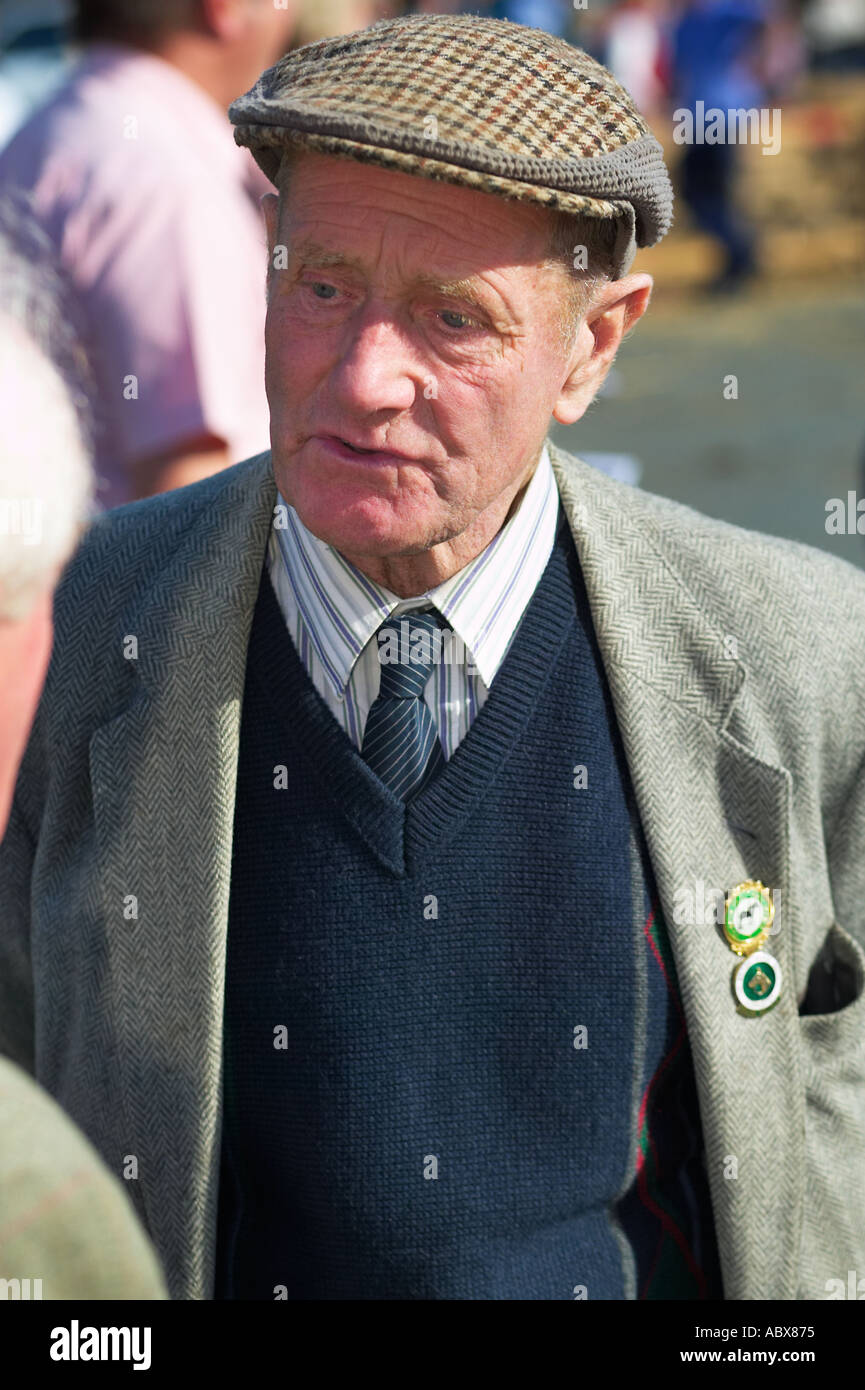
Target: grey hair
point(582, 247)
point(46, 480)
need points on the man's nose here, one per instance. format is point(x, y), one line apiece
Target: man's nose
point(377, 370)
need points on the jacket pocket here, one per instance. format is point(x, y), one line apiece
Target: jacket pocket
point(832, 1050)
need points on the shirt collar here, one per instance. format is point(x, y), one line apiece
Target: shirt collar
point(341, 609)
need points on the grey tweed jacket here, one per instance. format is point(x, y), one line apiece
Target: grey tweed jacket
point(737, 665)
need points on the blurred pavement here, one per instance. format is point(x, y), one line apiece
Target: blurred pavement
point(794, 438)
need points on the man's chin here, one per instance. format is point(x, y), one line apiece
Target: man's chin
point(359, 526)
point(358, 517)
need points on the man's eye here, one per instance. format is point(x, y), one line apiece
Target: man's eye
point(453, 319)
point(322, 290)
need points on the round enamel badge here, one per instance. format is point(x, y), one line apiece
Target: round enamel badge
point(757, 982)
point(748, 916)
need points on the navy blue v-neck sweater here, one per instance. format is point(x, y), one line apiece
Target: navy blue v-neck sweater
point(456, 1064)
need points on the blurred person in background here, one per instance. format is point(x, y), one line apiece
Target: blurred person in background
point(121, 165)
point(635, 50)
point(65, 1221)
point(553, 16)
point(717, 52)
point(835, 31)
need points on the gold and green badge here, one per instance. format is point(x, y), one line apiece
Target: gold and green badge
point(748, 916)
point(748, 919)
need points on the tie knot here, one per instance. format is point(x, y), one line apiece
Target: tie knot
point(408, 648)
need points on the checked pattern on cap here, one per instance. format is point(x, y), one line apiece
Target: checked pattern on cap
point(524, 93)
point(400, 741)
point(473, 100)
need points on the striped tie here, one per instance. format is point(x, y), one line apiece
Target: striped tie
point(400, 741)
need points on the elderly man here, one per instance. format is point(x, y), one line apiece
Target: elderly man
point(369, 820)
point(67, 1229)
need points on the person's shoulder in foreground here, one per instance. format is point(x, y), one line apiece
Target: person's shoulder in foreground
point(59, 1203)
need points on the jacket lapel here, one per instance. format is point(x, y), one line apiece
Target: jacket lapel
point(163, 774)
point(714, 812)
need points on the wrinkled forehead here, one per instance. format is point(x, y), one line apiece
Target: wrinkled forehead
point(347, 208)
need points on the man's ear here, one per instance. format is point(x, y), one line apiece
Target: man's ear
point(613, 312)
point(270, 208)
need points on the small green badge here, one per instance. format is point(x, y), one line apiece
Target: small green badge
point(757, 982)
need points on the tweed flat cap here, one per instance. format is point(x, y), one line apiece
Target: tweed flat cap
point(482, 102)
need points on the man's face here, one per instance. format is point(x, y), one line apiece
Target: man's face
point(413, 354)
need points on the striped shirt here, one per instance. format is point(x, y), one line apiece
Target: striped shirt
point(333, 612)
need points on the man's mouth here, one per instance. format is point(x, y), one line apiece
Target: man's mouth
point(349, 448)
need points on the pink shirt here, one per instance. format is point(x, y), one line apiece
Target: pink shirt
point(154, 210)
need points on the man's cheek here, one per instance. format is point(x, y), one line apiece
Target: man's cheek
point(288, 378)
point(464, 402)
point(481, 377)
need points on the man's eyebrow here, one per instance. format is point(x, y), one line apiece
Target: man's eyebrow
point(307, 250)
point(466, 289)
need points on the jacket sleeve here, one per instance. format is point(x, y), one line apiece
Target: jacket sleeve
point(16, 979)
point(17, 857)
